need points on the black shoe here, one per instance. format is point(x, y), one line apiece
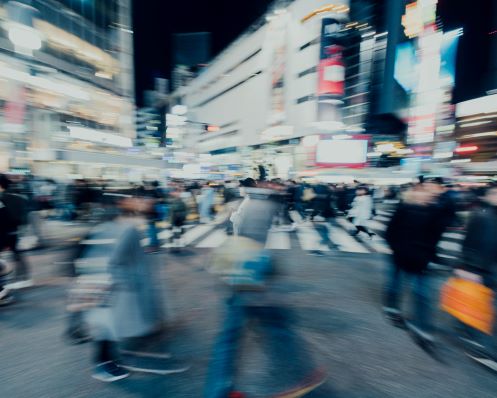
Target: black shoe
point(109, 372)
point(395, 318)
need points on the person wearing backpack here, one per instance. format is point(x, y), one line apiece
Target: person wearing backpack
point(16, 215)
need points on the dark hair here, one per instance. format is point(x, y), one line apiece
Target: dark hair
point(4, 181)
point(248, 182)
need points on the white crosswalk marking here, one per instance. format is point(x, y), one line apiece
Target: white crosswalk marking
point(454, 235)
point(309, 238)
point(346, 242)
point(382, 218)
point(278, 240)
point(197, 232)
point(376, 225)
point(377, 243)
point(450, 246)
point(215, 239)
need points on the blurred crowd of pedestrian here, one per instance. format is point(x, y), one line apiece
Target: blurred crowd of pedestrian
point(115, 296)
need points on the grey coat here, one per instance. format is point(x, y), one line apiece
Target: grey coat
point(114, 248)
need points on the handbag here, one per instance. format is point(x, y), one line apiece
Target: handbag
point(469, 301)
point(90, 291)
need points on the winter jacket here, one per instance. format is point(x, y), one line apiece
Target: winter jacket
point(255, 215)
point(413, 235)
point(479, 253)
point(114, 249)
point(362, 210)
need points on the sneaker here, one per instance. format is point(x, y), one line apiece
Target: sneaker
point(484, 359)
point(317, 253)
point(5, 297)
point(159, 370)
point(109, 372)
point(20, 284)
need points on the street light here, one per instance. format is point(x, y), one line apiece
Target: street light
point(21, 31)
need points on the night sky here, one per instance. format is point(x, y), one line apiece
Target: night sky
point(156, 20)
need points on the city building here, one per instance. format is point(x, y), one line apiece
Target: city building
point(299, 78)
point(67, 89)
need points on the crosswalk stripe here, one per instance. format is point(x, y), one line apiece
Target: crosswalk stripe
point(377, 243)
point(346, 242)
point(450, 246)
point(309, 238)
point(377, 226)
point(278, 240)
point(215, 239)
point(453, 235)
point(382, 218)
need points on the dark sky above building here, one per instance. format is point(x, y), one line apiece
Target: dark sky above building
point(155, 21)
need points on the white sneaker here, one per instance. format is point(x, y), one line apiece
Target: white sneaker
point(20, 284)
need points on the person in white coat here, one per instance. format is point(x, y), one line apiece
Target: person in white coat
point(361, 211)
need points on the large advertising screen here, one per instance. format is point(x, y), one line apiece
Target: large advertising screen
point(342, 152)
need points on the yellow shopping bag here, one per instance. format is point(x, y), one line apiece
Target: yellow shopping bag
point(469, 301)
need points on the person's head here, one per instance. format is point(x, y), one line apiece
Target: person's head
point(4, 182)
point(248, 183)
point(361, 191)
point(491, 195)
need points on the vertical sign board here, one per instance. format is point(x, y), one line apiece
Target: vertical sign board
point(277, 43)
point(331, 71)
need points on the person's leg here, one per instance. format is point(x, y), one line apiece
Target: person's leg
point(152, 233)
point(104, 352)
point(22, 268)
point(106, 368)
point(422, 305)
point(393, 289)
point(362, 228)
point(292, 363)
point(222, 366)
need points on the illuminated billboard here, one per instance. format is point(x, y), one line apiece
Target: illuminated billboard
point(346, 153)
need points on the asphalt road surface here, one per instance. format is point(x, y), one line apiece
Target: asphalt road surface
point(337, 301)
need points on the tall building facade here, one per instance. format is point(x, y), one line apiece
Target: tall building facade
point(67, 87)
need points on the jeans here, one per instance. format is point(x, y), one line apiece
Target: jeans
point(22, 266)
point(421, 315)
point(323, 232)
point(284, 347)
point(152, 233)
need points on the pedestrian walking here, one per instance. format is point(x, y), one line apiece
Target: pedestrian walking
point(479, 258)
point(16, 208)
point(115, 289)
point(361, 211)
point(413, 235)
point(251, 275)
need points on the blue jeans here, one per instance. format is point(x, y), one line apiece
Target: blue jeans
point(284, 347)
point(421, 296)
point(152, 233)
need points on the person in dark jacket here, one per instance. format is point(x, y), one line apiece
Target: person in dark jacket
point(16, 215)
point(479, 257)
point(413, 234)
